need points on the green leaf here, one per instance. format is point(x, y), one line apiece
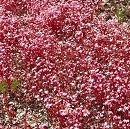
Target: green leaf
point(3, 86)
point(119, 14)
point(14, 83)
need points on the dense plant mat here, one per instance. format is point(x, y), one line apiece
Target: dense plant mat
point(64, 64)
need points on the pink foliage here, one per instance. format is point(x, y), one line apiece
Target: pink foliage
point(77, 63)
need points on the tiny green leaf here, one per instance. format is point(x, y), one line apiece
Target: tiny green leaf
point(3, 86)
point(14, 83)
point(119, 14)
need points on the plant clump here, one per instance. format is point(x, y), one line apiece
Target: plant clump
point(61, 58)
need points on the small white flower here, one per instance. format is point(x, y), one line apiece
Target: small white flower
point(120, 109)
point(63, 112)
point(126, 121)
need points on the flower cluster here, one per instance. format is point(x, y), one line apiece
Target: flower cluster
point(66, 58)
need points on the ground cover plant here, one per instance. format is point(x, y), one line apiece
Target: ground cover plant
point(65, 64)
